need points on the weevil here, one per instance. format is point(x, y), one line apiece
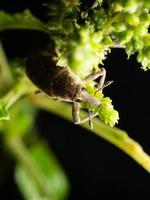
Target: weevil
point(61, 83)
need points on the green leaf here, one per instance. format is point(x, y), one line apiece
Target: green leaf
point(50, 172)
point(23, 20)
point(21, 115)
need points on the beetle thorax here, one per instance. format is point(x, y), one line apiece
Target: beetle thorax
point(66, 85)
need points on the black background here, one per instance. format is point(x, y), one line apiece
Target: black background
point(95, 168)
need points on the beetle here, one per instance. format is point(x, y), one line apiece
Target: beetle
point(61, 83)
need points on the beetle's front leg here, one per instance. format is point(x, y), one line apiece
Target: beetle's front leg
point(76, 112)
point(76, 115)
point(94, 75)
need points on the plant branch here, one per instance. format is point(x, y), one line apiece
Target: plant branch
point(15, 93)
point(4, 67)
point(19, 90)
point(113, 135)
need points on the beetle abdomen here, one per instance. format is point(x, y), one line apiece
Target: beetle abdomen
point(42, 71)
point(65, 86)
point(59, 82)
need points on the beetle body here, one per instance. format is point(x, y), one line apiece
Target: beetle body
point(57, 82)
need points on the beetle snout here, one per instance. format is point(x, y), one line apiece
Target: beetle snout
point(91, 100)
point(96, 102)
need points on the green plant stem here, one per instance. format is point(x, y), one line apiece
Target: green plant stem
point(114, 135)
point(19, 90)
point(6, 76)
point(22, 155)
point(11, 97)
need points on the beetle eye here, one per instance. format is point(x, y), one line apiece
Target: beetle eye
point(83, 89)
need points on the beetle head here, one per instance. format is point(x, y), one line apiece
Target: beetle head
point(84, 96)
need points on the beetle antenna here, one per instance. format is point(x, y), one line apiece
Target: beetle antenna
point(105, 85)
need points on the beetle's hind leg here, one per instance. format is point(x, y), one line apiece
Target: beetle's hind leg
point(39, 93)
point(76, 115)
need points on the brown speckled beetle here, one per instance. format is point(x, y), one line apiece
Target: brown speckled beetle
point(62, 83)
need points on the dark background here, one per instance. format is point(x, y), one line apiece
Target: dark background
point(95, 168)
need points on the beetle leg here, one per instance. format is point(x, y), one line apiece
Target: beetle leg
point(94, 75)
point(102, 80)
point(76, 112)
point(39, 93)
point(76, 115)
point(90, 119)
point(101, 85)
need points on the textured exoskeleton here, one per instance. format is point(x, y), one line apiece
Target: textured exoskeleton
point(61, 83)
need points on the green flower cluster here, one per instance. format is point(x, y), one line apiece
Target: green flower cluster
point(106, 111)
point(61, 16)
point(80, 45)
point(88, 33)
point(87, 51)
point(131, 28)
